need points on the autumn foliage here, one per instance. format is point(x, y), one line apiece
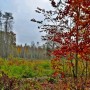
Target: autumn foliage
point(75, 42)
point(68, 28)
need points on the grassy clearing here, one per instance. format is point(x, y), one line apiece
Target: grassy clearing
point(26, 68)
point(37, 75)
point(20, 68)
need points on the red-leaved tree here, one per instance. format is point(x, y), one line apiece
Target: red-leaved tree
point(68, 27)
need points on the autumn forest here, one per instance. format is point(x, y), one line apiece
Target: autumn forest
point(61, 63)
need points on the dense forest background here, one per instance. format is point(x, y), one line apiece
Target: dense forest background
point(8, 46)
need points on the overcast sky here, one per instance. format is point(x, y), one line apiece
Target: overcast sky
point(23, 11)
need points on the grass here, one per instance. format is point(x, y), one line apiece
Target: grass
point(18, 75)
point(20, 68)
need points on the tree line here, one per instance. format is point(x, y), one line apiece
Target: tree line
point(8, 47)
